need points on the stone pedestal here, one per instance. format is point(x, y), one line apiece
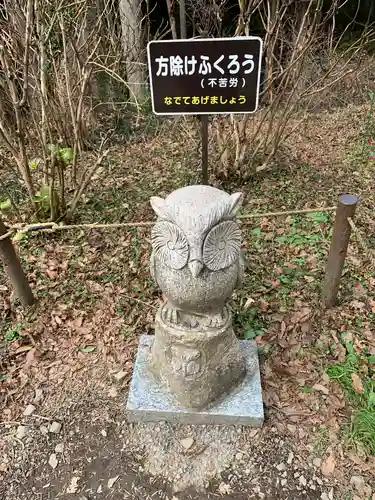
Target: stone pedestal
point(151, 401)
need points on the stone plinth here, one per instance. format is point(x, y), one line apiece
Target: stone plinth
point(149, 400)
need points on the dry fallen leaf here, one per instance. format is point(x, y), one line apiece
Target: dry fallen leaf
point(321, 388)
point(340, 352)
point(309, 279)
point(24, 348)
point(283, 328)
point(224, 489)
point(112, 392)
point(187, 443)
point(248, 303)
point(358, 305)
point(112, 481)
point(357, 383)
point(51, 273)
point(306, 327)
point(31, 359)
point(29, 410)
point(347, 336)
point(263, 305)
point(328, 466)
point(73, 486)
point(53, 462)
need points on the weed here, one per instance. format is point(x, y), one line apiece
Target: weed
point(13, 334)
point(250, 322)
point(321, 440)
point(356, 375)
point(257, 235)
point(306, 390)
point(320, 217)
point(81, 293)
point(299, 238)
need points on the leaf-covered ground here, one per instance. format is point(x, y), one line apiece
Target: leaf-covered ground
point(71, 356)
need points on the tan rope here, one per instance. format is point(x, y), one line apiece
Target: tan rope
point(365, 247)
point(6, 235)
point(52, 226)
point(289, 212)
point(56, 227)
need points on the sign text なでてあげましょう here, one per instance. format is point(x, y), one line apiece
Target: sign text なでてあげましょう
point(205, 75)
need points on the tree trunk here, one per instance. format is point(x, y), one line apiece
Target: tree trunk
point(271, 42)
point(131, 25)
point(299, 35)
point(14, 270)
point(172, 20)
point(183, 30)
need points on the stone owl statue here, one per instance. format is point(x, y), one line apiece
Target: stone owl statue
point(196, 258)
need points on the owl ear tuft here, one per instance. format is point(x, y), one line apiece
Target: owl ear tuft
point(158, 204)
point(234, 204)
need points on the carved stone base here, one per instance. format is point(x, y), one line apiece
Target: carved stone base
point(198, 364)
point(149, 401)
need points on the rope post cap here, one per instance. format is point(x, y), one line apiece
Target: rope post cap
point(349, 199)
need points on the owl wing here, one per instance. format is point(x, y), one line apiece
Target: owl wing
point(241, 270)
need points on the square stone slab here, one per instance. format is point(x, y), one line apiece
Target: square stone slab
point(148, 401)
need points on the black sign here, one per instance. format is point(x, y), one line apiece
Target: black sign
point(205, 76)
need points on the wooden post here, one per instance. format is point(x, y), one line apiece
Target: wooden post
point(339, 246)
point(204, 133)
point(14, 269)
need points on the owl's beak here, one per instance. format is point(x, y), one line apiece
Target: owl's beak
point(195, 267)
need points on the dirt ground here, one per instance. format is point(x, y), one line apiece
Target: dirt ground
point(67, 363)
point(97, 454)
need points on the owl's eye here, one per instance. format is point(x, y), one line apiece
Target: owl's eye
point(222, 246)
point(170, 245)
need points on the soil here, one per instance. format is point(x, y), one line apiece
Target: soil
point(98, 455)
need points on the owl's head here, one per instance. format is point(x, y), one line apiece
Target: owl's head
point(195, 227)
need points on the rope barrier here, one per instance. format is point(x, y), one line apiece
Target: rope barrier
point(6, 235)
point(52, 226)
point(289, 212)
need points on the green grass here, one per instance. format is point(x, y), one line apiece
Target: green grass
point(362, 427)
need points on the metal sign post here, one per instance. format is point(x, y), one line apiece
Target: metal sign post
point(204, 135)
point(205, 76)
